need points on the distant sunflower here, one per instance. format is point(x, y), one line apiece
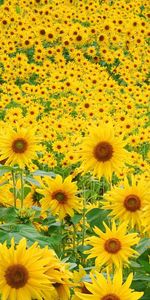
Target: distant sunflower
point(128, 201)
point(102, 288)
point(18, 146)
point(22, 272)
point(113, 246)
point(60, 197)
point(102, 153)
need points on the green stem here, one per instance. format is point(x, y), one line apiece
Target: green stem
point(83, 225)
point(22, 187)
point(74, 241)
point(62, 246)
point(14, 187)
point(84, 221)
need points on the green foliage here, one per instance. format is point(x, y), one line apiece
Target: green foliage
point(33, 79)
point(7, 214)
point(82, 23)
point(4, 169)
point(18, 231)
point(12, 104)
point(96, 217)
point(2, 114)
point(18, 9)
point(66, 55)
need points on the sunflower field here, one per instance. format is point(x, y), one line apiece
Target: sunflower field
point(74, 150)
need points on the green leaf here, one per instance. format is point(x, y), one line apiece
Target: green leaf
point(18, 231)
point(96, 216)
point(145, 265)
point(143, 260)
point(146, 294)
point(143, 245)
point(4, 169)
point(32, 181)
point(76, 218)
point(43, 173)
point(7, 214)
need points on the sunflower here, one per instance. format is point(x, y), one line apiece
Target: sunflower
point(18, 146)
point(58, 274)
point(60, 197)
point(22, 272)
point(102, 152)
point(112, 247)
point(102, 288)
point(128, 201)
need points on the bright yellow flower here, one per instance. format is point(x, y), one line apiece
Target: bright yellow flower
point(102, 288)
point(128, 201)
point(18, 146)
point(103, 153)
point(60, 197)
point(59, 275)
point(113, 246)
point(22, 272)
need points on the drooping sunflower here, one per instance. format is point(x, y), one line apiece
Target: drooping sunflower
point(22, 272)
point(112, 247)
point(60, 197)
point(18, 146)
point(102, 153)
point(59, 276)
point(102, 288)
point(128, 201)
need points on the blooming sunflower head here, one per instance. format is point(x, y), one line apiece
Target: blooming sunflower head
point(60, 197)
point(22, 274)
point(128, 202)
point(103, 153)
point(102, 288)
point(18, 146)
point(113, 247)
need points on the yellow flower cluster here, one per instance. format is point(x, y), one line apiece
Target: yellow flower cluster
point(74, 137)
point(66, 65)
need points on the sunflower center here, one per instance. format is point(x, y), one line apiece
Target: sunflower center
point(112, 245)
point(60, 196)
point(19, 146)
point(16, 276)
point(132, 203)
point(103, 151)
point(110, 297)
